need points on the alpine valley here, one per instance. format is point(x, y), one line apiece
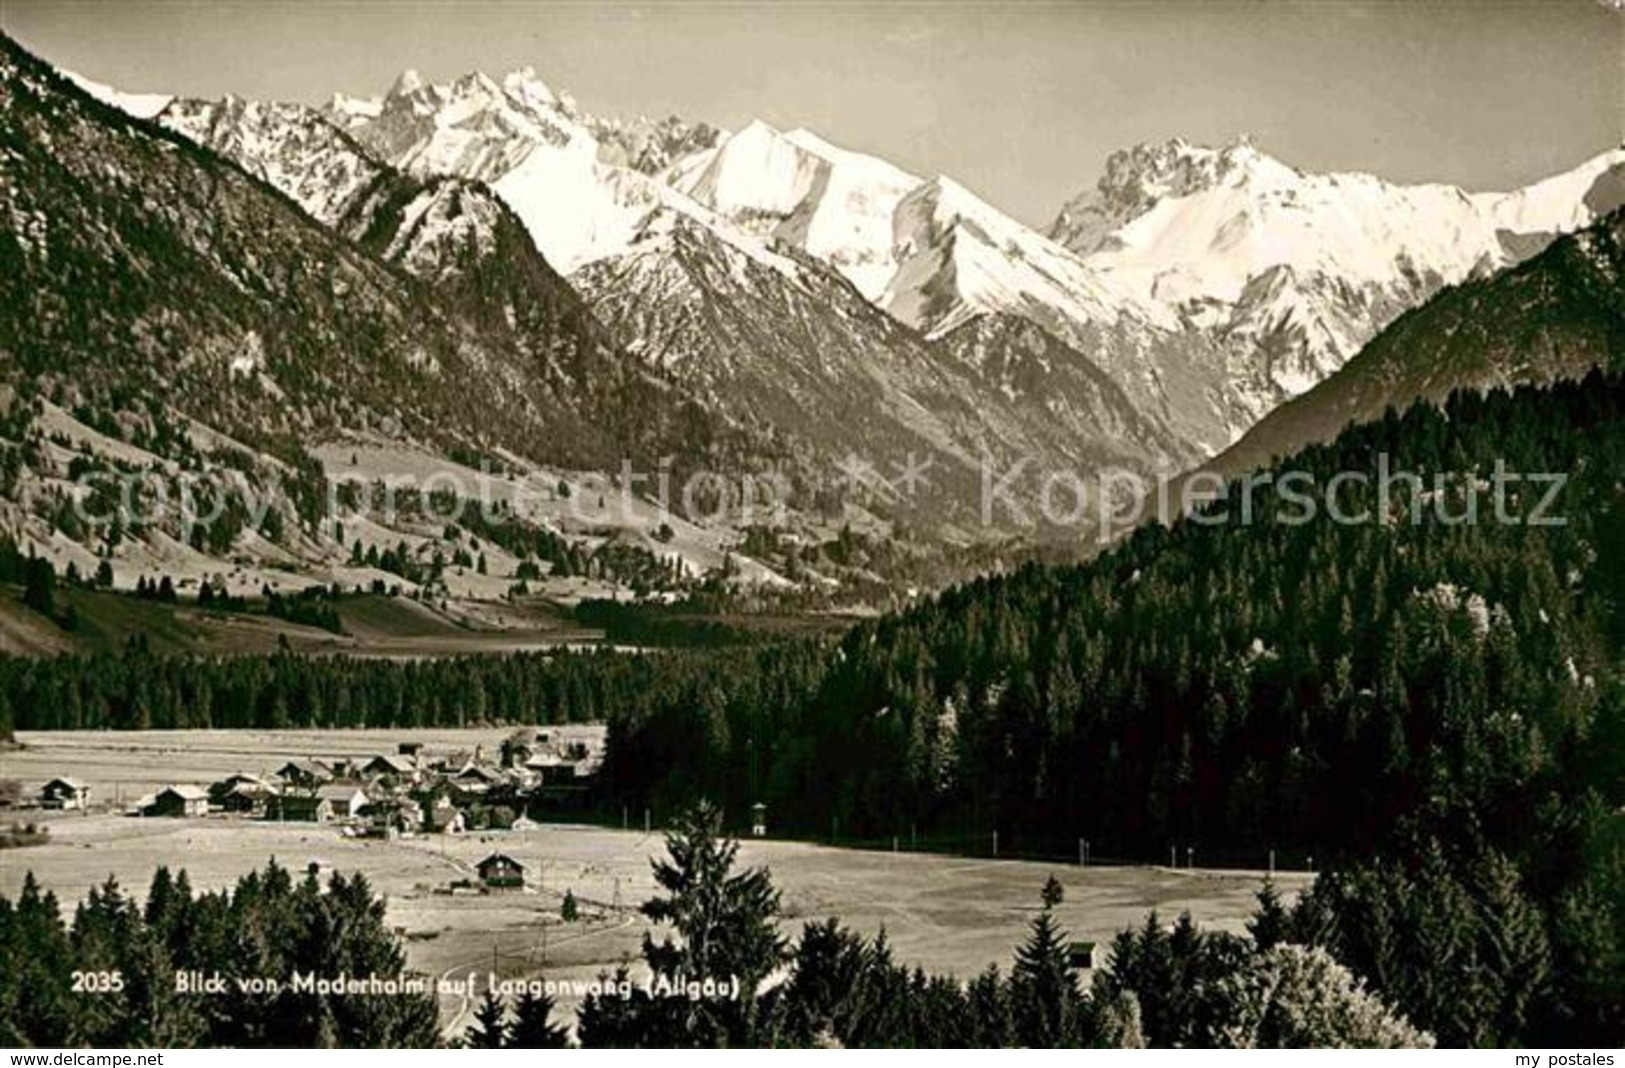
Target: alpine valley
point(426, 500)
point(478, 281)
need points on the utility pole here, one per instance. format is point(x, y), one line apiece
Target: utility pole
point(1173, 857)
point(995, 844)
point(755, 770)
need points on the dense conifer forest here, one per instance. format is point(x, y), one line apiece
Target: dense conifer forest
point(59, 986)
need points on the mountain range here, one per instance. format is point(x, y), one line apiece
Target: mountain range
point(1209, 284)
point(600, 289)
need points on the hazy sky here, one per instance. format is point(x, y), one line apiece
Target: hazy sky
point(1020, 101)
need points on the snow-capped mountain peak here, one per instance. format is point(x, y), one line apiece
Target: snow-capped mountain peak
point(1184, 224)
point(756, 175)
point(832, 203)
point(526, 87)
point(1137, 178)
point(345, 109)
point(1207, 282)
point(476, 107)
point(1293, 271)
point(517, 135)
point(406, 83)
point(293, 147)
point(959, 257)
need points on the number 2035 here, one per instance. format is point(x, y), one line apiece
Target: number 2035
point(98, 982)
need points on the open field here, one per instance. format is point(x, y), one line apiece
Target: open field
point(944, 913)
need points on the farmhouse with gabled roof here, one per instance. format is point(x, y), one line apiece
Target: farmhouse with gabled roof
point(305, 773)
point(501, 872)
point(181, 800)
point(64, 793)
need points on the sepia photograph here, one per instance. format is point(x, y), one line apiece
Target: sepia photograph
point(709, 524)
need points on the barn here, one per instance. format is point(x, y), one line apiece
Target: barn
point(298, 808)
point(64, 793)
point(182, 801)
point(501, 872)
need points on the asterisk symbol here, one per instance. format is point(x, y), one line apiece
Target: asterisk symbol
point(911, 474)
point(856, 472)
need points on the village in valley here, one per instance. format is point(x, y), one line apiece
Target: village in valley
point(411, 790)
point(490, 858)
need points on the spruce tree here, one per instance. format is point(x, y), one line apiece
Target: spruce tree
point(1513, 948)
point(724, 923)
point(490, 1028)
point(1268, 925)
point(610, 1021)
point(1044, 988)
point(533, 1027)
point(988, 1003)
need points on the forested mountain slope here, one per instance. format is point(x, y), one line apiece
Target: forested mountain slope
point(211, 290)
point(175, 320)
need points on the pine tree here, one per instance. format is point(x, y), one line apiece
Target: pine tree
point(991, 1019)
point(1513, 947)
point(826, 991)
point(1589, 940)
point(611, 1021)
point(39, 586)
point(1044, 988)
point(723, 925)
point(533, 1027)
point(490, 1028)
point(1268, 925)
point(45, 1012)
